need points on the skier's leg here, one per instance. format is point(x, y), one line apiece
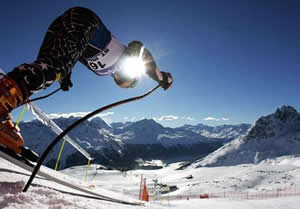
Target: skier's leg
point(64, 43)
point(10, 97)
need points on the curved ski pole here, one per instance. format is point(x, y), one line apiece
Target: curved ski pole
point(76, 123)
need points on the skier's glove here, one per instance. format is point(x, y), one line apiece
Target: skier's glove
point(166, 81)
point(66, 83)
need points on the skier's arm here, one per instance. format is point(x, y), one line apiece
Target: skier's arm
point(133, 50)
point(163, 78)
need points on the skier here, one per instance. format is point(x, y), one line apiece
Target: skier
point(77, 35)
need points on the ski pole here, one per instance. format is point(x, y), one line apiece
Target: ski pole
point(76, 123)
point(39, 98)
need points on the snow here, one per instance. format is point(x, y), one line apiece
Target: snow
point(264, 161)
point(268, 175)
point(233, 204)
point(13, 179)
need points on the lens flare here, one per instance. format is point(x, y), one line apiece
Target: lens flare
point(134, 67)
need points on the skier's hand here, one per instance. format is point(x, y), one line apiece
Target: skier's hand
point(66, 83)
point(167, 80)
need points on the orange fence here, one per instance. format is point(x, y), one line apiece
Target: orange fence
point(266, 194)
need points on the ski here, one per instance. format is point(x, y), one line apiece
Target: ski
point(88, 196)
point(16, 156)
point(29, 166)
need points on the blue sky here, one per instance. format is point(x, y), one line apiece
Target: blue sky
point(232, 61)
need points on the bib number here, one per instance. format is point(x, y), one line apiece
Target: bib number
point(96, 63)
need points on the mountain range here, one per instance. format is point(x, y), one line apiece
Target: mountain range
point(121, 144)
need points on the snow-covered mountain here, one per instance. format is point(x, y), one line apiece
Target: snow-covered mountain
point(122, 143)
point(271, 136)
point(223, 132)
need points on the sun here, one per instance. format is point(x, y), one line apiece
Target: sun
point(134, 67)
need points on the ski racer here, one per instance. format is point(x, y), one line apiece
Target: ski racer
point(77, 35)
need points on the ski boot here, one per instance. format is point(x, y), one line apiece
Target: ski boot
point(10, 97)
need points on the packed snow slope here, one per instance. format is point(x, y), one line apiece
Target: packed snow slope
point(268, 175)
point(271, 136)
point(271, 174)
point(43, 194)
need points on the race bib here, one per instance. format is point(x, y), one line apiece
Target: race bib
point(102, 62)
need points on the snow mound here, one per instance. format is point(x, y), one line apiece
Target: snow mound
point(13, 197)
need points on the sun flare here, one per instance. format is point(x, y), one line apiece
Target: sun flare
point(134, 67)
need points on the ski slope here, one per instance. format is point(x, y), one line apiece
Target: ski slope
point(269, 174)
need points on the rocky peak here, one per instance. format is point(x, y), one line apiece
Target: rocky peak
point(99, 123)
point(268, 126)
point(285, 113)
